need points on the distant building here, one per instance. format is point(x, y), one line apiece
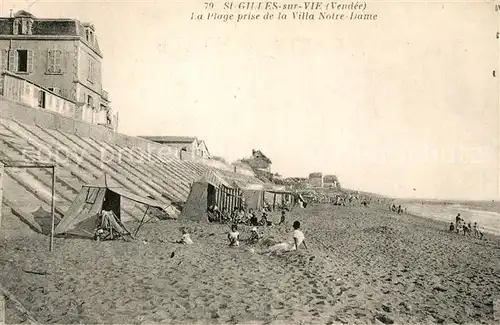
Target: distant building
point(258, 161)
point(316, 179)
point(61, 58)
point(330, 181)
point(191, 145)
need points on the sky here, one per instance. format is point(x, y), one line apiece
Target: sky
point(404, 106)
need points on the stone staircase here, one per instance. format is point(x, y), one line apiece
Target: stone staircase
point(82, 160)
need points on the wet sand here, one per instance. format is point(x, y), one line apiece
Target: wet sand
point(364, 265)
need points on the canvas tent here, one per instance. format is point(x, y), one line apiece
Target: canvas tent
point(255, 195)
point(210, 190)
point(84, 214)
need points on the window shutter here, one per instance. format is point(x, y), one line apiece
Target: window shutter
point(57, 61)
point(95, 73)
point(50, 61)
point(13, 60)
point(24, 28)
point(30, 60)
point(16, 27)
point(90, 72)
point(65, 60)
point(5, 59)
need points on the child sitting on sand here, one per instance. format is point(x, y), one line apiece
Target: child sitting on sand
point(452, 226)
point(263, 219)
point(253, 220)
point(282, 220)
point(186, 238)
point(298, 238)
point(254, 236)
point(234, 236)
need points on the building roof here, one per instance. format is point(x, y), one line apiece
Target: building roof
point(23, 13)
point(262, 155)
point(48, 27)
point(171, 139)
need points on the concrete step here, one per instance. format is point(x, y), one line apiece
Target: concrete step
point(12, 226)
point(129, 180)
point(71, 164)
point(19, 195)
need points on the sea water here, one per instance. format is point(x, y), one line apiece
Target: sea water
point(488, 221)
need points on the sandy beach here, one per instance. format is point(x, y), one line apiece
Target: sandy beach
point(363, 265)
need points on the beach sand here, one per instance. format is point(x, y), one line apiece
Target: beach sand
point(364, 265)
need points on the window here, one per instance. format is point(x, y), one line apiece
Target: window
point(90, 101)
point(22, 60)
point(54, 61)
point(91, 195)
point(41, 99)
point(5, 59)
point(24, 27)
point(55, 90)
point(16, 27)
point(91, 71)
point(87, 35)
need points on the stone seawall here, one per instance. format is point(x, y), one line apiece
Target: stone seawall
point(55, 121)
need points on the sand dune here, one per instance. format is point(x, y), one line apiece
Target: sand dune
point(364, 265)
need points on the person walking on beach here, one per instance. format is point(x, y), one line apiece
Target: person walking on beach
point(234, 236)
point(464, 228)
point(477, 232)
point(469, 228)
point(457, 223)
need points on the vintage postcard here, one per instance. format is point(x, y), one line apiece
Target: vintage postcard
point(249, 162)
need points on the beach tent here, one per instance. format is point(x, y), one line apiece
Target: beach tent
point(85, 213)
point(253, 194)
point(209, 191)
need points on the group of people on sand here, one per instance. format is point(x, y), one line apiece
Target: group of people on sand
point(296, 240)
point(465, 227)
point(240, 216)
point(398, 209)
